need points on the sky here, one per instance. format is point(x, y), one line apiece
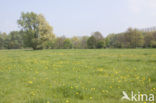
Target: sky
point(82, 17)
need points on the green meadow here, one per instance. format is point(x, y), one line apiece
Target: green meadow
point(76, 76)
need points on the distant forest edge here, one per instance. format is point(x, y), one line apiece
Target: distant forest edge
point(36, 33)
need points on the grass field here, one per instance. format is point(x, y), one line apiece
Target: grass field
point(75, 76)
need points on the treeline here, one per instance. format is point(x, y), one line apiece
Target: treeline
point(36, 33)
point(132, 38)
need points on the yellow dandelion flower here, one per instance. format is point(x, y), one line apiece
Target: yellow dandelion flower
point(30, 82)
point(48, 102)
point(67, 101)
point(100, 69)
point(90, 97)
point(32, 93)
point(116, 72)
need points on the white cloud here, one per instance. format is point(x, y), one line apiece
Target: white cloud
point(138, 6)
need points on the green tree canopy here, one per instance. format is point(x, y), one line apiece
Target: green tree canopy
point(67, 44)
point(91, 42)
point(36, 30)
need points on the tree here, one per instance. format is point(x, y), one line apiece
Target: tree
point(83, 42)
point(75, 42)
point(15, 40)
point(133, 38)
point(138, 38)
point(58, 44)
point(67, 44)
point(147, 39)
point(91, 42)
point(111, 40)
point(3, 39)
point(36, 30)
point(97, 35)
point(100, 44)
point(153, 44)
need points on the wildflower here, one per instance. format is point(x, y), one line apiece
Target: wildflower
point(92, 88)
point(100, 69)
point(32, 93)
point(36, 72)
point(116, 72)
point(30, 82)
point(48, 102)
point(67, 101)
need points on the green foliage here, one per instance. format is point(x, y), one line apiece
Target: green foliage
point(97, 35)
point(3, 37)
point(134, 38)
point(15, 40)
point(147, 39)
point(91, 42)
point(153, 44)
point(36, 29)
point(59, 42)
point(100, 44)
point(67, 44)
point(83, 42)
point(75, 42)
point(1, 42)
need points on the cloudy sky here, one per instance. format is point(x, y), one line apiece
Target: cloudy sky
point(82, 17)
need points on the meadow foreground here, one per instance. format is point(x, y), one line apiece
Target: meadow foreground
point(75, 76)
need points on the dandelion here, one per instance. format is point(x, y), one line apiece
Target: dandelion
point(90, 97)
point(119, 81)
point(67, 101)
point(32, 93)
point(92, 88)
point(143, 78)
point(116, 72)
point(100, 69)
point(36, 72)
point(30, 82)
